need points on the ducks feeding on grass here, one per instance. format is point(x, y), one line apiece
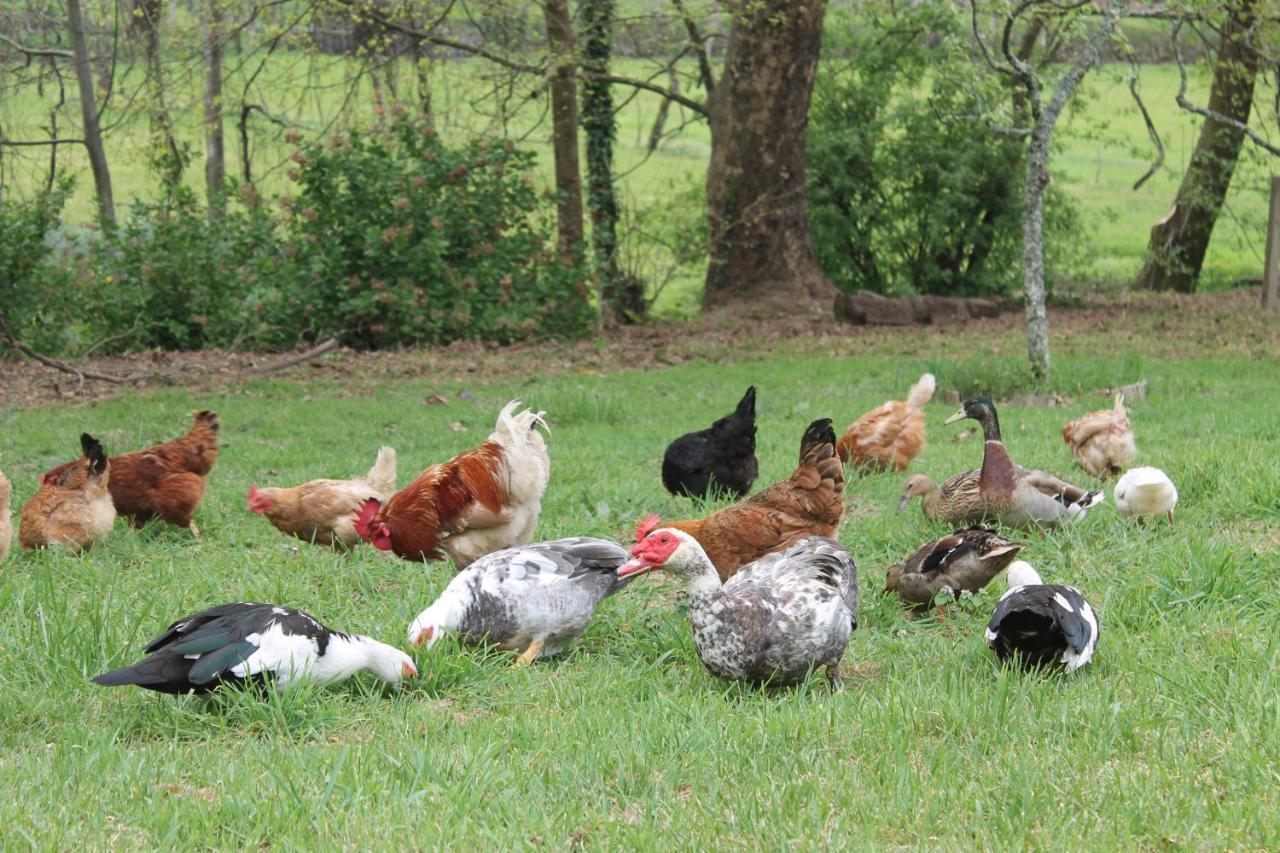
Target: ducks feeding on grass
point(1041, 624)
point(964, 560)
point(249, 642)
point(1014, 495)
point(1146, 492)
point(775, 620)
point(535, 599)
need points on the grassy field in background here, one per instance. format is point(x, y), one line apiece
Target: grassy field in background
point(1103, 149)
point(1168, 740)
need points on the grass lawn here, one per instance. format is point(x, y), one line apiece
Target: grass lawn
point(1168, 739)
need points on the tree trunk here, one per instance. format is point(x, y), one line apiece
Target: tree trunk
point(564, 121)
point(165, 156)
point(215, 155)
point(623, 296)
point(89, 116)
point(759, 241)
point(1178, 243)
point(1037, 181)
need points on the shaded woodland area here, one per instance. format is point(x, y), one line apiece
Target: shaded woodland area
point(390, 172)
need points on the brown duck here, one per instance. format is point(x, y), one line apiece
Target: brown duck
point(1014, 495)
point(957, 501)
point(964, 560)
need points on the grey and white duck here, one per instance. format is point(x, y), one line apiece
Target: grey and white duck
point(534, 599)
point(776, 620)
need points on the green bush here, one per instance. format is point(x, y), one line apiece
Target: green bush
point(41, 297)
point(180, 282)
point(906, 195)
point(394, 238)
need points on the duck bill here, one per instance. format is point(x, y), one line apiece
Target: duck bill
point(902, 504)
point(633, 567)
point(958, 416)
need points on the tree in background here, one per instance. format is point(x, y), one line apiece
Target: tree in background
point(760, 246)
point(1179, 241)
point(622, 297)
point(92, 128)
point(564, 126)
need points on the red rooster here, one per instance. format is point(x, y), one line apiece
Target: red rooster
point(479, 502)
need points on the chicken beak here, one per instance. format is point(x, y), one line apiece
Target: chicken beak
point(958, 416)
point(902, 504)
point(632, 567)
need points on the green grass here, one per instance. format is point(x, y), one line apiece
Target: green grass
point(1103, 150)
point(1167, 740)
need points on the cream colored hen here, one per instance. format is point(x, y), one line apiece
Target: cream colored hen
point(1102, 442)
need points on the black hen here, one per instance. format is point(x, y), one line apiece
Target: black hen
point(718, 461)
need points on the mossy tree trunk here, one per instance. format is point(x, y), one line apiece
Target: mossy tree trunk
point(564, 122)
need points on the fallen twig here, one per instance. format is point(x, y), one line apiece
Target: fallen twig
point(56, 364)
point(307, 355)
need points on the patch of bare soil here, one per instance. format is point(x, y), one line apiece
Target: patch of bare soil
point(1159, 325)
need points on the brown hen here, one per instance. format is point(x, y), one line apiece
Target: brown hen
point(72, 509)
point(890, 435)
point(1102, 442)
point(809, 503)
point(166, 481)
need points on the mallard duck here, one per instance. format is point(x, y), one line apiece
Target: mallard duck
point(249, 642)
point(1102, 442)
point(1017, 496)
point(957, 501)
point(1146, 491)
point(964, 560)
point(1042, 624)
point(775, 620)
point(533, 599)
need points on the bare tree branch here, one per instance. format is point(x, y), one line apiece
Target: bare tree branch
point(1151, 128)
point(33, 52)
point(699, 44)
point(22, 143)
point(1203, 112)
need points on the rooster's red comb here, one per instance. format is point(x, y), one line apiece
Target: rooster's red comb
point(646, 525)
point(364, 517)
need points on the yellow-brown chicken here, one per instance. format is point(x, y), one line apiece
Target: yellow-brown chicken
point(165, 481)
point(324, 511)
point(809, 503)
point(891, 435)
point(6, 521)
point(72, 509)
point(1102, 442)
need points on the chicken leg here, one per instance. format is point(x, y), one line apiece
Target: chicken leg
point(530, 654)
point(833, 676)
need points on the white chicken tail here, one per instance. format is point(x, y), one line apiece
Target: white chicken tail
point(513, 428)
point(921, 392)
point(382, 476)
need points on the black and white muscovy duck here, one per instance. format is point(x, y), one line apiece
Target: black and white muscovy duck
point(249, 642)
point(534, 599)
point(774, 621)
point(1042, 624)
point(717, 461)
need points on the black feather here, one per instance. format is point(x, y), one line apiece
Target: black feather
point(717, 461)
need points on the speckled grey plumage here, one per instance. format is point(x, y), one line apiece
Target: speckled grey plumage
point(544, 592)
point(780, 617)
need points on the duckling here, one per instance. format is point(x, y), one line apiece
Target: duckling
point(957, 501)
point(1145, 492)
point(1042, 624)
point(964, 560)
point(1102, 442)
point(1014, 495)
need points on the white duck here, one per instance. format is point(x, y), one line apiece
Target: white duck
point(533, 599)
point(1042, 624)
point(249, 642)
point(1146, 492)
point(775, 620)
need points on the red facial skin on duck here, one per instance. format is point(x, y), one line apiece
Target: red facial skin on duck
point(424, 636)
point(650, 553)
point(409, 671)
